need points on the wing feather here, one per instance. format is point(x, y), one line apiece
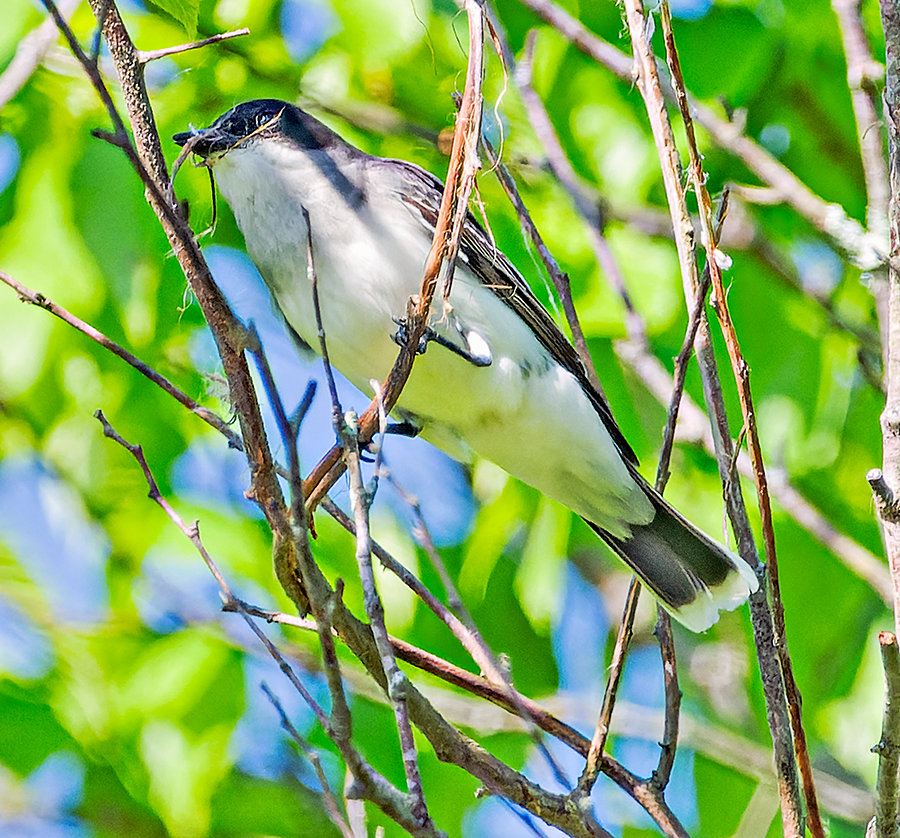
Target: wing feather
point(499, 275)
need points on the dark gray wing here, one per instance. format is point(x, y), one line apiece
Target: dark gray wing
point(497, 273)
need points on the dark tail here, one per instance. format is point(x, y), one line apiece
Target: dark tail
point(691, 575)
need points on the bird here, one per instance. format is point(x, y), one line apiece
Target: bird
point(495, 378)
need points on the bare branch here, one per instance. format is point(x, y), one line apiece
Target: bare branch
point(152, 55)
point(441, 260)
point(648, 83)
point(37, 299)
point(370, 784)
point(888, 748)
point(147, 159)
point(330, 802)
point(397, 682)
point(866, 249)
point(30, 53)
point(594, 760)
point(890, 418)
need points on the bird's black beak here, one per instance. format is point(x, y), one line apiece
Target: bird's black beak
point(202, 143)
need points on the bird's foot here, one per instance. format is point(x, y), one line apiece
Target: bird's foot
point(480, 358)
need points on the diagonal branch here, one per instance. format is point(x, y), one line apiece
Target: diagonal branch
point(441, 260)
point(864, 248)
point(145, 155)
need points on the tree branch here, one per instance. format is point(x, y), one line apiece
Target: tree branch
point(649, 85)
point(441, 260)
point(147, 159)
point(864, 248)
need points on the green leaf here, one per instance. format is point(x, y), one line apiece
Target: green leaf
point(184, 11)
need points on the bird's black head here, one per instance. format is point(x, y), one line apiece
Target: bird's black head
point(259, 120)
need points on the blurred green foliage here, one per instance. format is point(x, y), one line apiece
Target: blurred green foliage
point(148, 690)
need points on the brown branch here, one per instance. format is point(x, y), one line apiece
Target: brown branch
point(396, 680)
point(310, 753)
point(649, 85)
point(147, 159)
point(369, 783)
point(462, 624)
point(594, 761)
point(742, 375)
point(672, 714)
point(441, 259)
point(888, 748)
point(449, 744)
point(637, 788)
point(890, 418)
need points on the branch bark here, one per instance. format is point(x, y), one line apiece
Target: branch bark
point(888, 748)
point(886, 493)
point(648, 82)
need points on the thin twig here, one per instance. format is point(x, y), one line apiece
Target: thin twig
point(742, 375)
point(493, 671)
point(192, 532)
point(312, 275)
point(37, 299)
point(866, 249)
point(562, 168)
point(147, 159)
point(864, 75)
point(593, 764)
point(679, 377)
point(397, 682)
point(669, 744)
point(341, 725)
point(558, 277)
point(890, 418)
point(348, 439)
point(310, 753)
point(145, 56)
point(30, 52)
point(373, 785)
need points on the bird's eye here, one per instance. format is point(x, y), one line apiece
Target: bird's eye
point(262, 119)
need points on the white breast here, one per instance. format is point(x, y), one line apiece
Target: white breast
point(524, 412)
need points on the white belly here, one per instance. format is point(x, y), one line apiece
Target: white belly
point(524, 411)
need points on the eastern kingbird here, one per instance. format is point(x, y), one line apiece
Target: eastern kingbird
point(500, 380)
